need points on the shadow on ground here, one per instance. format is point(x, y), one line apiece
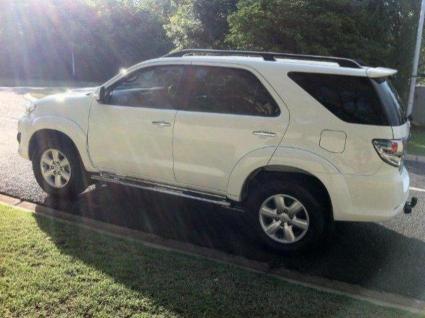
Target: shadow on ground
point(184, 286)
point(366, 254)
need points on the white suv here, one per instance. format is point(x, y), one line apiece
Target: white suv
point(296, 141)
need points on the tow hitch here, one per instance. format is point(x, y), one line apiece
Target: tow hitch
point(410, 205)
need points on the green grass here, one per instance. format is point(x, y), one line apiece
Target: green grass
point(52, 268)
point(416, 144)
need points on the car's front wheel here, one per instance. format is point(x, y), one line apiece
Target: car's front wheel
point(57, 168)
point(288, 216)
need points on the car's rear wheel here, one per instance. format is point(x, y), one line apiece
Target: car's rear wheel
point(284, 218)
point(288, 216)
point(57, 167)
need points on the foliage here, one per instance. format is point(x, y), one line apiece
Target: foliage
point(38, 37)
point(200, 23)
point(377, 32)
point(416, 144)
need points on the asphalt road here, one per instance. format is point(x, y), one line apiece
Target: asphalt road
point(386, 256)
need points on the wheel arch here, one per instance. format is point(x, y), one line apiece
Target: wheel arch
point(43, 134)
point(46, 133)
point(267, 173)
point(67, 128)
point(286, 161)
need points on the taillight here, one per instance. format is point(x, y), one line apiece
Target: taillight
point(390, 150)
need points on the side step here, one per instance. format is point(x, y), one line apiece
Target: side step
point(162, 188)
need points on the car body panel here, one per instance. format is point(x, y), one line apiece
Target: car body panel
point(67, 113)
point(125, 141)
point(207, 146)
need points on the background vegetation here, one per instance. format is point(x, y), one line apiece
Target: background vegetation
point(39, 37)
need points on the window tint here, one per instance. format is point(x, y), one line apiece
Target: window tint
point(391, 102)
point(352, 99)
point(230, 91)
point(154, 87)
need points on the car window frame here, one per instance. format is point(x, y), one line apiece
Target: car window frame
point(385, 121)
point(179, 88)
point(187, 91)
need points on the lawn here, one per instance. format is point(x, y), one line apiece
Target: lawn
point(52, 268)
point(416, 144)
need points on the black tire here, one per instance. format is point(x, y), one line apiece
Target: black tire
point(320, 220)
point(77, 182)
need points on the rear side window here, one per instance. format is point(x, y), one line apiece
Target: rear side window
point(350, 98)
point(228, 91)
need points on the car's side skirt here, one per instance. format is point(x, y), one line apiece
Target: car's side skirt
point(165, 188)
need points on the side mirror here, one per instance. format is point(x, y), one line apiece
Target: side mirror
point(100, 94)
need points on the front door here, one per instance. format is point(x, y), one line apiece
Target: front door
point(131, 131)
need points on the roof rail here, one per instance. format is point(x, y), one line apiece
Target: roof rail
point(267, 56)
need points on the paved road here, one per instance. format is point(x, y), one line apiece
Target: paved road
point(386, 256)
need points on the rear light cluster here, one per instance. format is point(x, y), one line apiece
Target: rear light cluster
point(390, 150)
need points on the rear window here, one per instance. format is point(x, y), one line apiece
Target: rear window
point(391, 102)
point(357, 100)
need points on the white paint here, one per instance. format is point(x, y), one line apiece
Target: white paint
point(333, 141)
point(124, 141)
point(377, 72)
point(209, 146)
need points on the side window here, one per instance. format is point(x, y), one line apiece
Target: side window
point(350, 98)
point(153, 87)
point(230, 91)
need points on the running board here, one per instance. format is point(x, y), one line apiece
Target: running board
point(151, 186)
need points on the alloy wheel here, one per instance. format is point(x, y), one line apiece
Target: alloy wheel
point(284, 219)
point(55, 168)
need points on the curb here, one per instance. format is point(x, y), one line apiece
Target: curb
point(153, 241)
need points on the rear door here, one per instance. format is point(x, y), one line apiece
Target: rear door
point(228, 113)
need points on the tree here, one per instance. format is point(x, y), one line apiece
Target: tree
point(200, 23)
point(39, 36)
point(377, 32)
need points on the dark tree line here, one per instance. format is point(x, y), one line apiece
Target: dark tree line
point(38, 38)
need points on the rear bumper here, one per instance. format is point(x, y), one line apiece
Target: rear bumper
point(371, 198)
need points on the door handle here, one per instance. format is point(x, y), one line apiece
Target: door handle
point(161, 123)
point(264, 133)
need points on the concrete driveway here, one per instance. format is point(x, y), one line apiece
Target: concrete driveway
point(386, 256)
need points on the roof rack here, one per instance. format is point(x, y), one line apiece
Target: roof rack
point(267, 56)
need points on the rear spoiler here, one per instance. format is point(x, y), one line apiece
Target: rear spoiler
point(376, 72)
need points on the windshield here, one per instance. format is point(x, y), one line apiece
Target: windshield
point(391, 102)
